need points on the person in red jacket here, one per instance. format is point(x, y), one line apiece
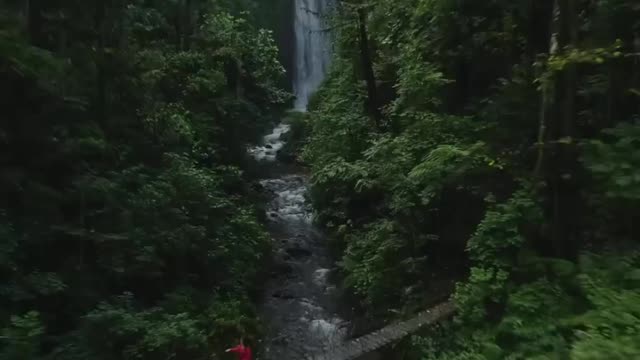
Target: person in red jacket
point(244, 352)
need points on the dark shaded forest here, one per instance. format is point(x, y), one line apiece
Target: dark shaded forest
point(486, 152)
point(489, 149)
point(129, 229)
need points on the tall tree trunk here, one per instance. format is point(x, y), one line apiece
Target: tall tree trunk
point(178, 25)
point(234, 74)
point(26, 14)
point(571, 72)
point(35, 22)
point(565, 217)
point(239, 87)
point(101, 78)
point(188, 25)
point(367, 69)
point(123, 26)
point(636, 67)
point(556, 161)
point(547, 93)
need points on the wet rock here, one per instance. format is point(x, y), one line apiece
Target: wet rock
point(281, 269)
point(371, 356)
point(320, 276)
point(281, 340)
point(287, 157)
point(298, 252)
point(283, 294)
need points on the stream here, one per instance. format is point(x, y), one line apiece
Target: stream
point(300, 308)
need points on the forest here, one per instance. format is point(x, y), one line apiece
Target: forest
point(489, 150)
point(486, 152)
point(129, 229)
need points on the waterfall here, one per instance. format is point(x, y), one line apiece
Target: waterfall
point(312, 48)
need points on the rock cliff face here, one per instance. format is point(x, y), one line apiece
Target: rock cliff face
point(302, 33)
point(312, 53)
point(278, 16)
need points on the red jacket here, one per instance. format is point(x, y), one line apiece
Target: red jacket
point(244, 352)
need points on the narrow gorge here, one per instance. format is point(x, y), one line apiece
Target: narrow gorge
point(301, 305)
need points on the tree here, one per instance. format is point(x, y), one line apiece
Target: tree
point(125, 210)
point(509, 166)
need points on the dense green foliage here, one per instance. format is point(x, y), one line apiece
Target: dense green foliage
point(488, 150)
point(127, 227)
point(496, 136)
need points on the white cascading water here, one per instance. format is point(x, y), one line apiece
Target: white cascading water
point(313, 48)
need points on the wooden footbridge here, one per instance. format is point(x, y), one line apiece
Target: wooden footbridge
point(360, 346)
